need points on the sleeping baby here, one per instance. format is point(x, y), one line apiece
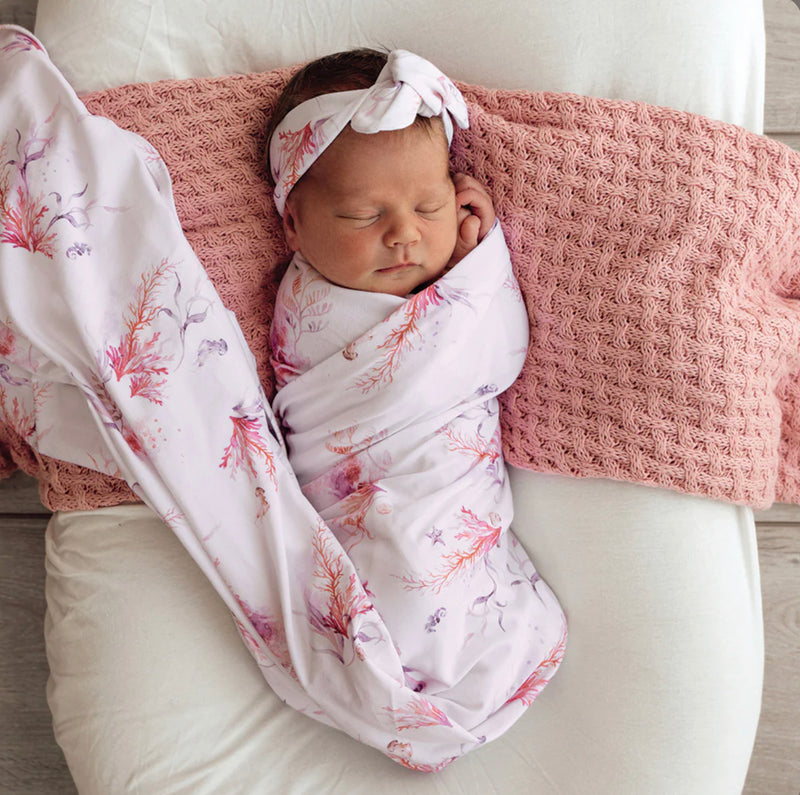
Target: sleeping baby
point(397, 324)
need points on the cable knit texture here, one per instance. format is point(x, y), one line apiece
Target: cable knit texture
point(658, 252)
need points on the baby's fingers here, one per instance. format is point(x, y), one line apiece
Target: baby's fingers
point(472, 196)
point(469, 233)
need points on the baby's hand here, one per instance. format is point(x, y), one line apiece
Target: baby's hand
point(475, 215)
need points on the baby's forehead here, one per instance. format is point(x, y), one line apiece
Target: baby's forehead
point(375, 183)
point(360, 155)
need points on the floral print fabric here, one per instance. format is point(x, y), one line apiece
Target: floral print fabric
point(117, 354)
point(390, 413)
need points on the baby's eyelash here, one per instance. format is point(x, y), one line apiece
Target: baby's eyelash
point(360, 217)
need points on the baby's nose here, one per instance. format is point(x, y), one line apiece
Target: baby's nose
point(403, 230)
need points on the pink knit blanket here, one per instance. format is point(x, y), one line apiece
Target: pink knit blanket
point(658, 253)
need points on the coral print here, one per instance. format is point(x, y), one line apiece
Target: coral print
point(344, 597)
point(417, 713)
point(295, 147)
point(402, 753)
point(7, 341)
point(352, 526)
point(302, 310)
point(22, 215)
point(481, 537)
point(249, 447)
point(95, 389)
point(139, 354)
point(20, 414)
point(481, 451)
point(28, 216)
point(535, 683)
point(401, 339)
point(17, 352)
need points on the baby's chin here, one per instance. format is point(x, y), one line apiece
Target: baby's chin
point(409, 286)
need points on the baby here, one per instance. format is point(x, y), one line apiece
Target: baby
point(396, 326)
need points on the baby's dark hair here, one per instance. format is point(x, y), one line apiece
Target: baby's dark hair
point(341, 71)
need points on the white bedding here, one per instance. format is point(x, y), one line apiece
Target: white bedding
point(661, 590)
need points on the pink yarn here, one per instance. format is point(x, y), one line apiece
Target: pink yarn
point(658, 252)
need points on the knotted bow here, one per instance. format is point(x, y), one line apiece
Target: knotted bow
point(407, 87)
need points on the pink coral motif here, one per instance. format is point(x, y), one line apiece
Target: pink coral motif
point(482, 537)
point(489, 453)
point(248, 444)
point(22, 214)
point(8, 341)
point(173, 517)
point(535, 683)
point(295, 145)
point(346, 597)
point(21, 419)
point(96, 391)
point(401, 339)
point(418, 713)
point(26, 218)
point(22, 223)
point(137, 355)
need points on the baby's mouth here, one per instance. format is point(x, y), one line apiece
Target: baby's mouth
point(399, 267)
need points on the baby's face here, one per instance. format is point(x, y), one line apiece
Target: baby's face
point(377, 212)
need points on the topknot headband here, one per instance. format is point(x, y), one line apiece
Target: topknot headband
point(407, 87)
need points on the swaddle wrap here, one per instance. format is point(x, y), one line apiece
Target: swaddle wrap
point(390, 411)
point(117, 354)
point(407, 87)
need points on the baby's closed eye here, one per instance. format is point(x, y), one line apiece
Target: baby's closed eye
point(363, 218)
point(431, 209)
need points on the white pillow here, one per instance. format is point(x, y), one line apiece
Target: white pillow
point(706, 57)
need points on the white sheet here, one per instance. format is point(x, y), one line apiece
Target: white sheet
point(660, 689)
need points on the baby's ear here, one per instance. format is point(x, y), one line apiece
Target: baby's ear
point(290, 226)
